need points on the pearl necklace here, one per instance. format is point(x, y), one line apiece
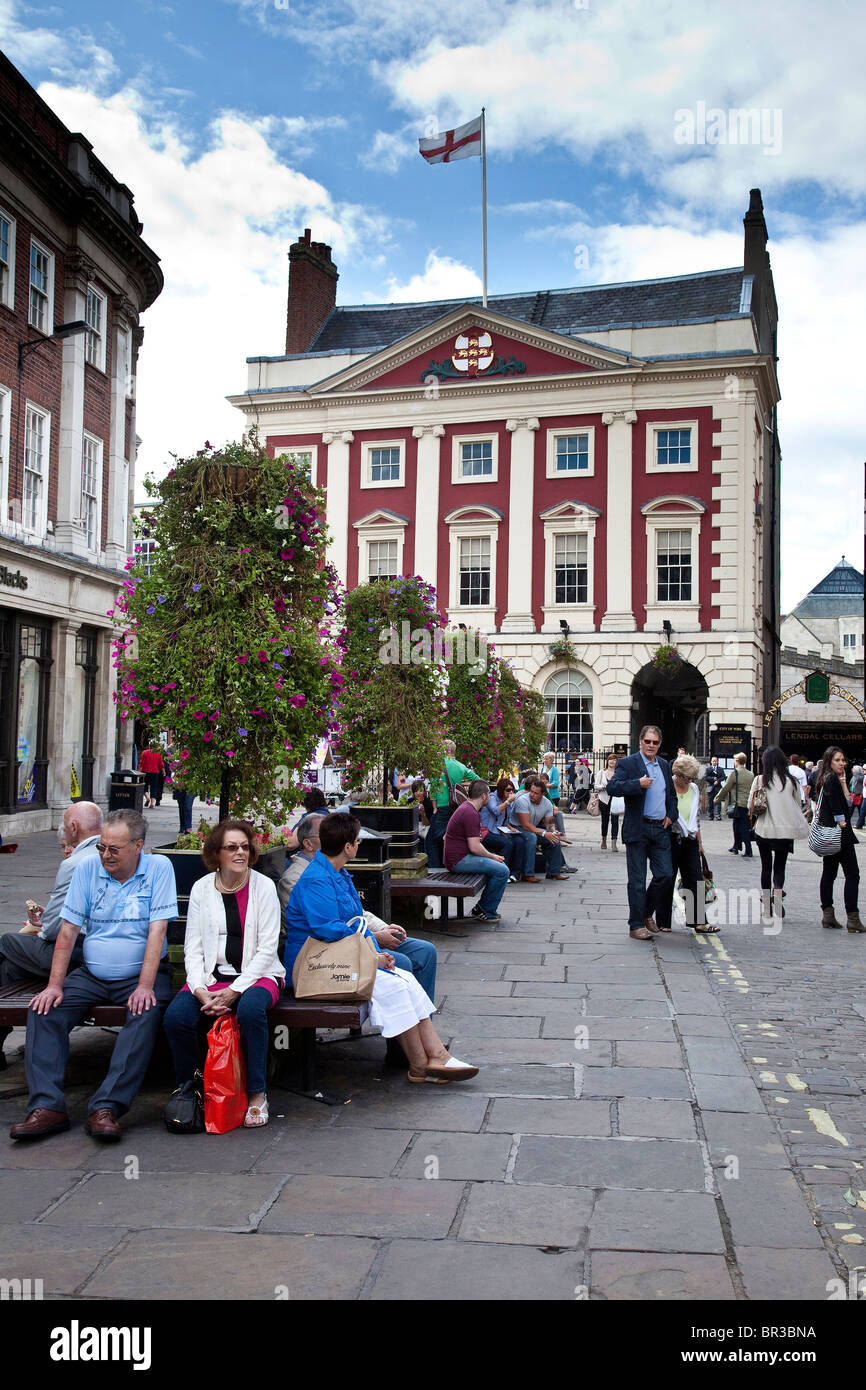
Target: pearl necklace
point(221, 887)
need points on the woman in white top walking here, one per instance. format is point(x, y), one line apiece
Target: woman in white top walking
point(606, 803)
point(777, 827)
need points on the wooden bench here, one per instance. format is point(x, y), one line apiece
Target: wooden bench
point(300, 1017)
point(439, 883)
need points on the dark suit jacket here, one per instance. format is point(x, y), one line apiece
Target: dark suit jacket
point(625, 782)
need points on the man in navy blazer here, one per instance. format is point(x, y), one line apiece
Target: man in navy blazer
point(644, 780)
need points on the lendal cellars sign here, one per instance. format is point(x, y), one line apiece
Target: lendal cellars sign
point(13, 579)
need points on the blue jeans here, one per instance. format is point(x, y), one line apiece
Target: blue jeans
point(184, 1020)
point(435, 836)
point(496, 874)
point(419, 958)
point(47, 1043)
point(552, 854)
point(653, 847)
point(185, 802)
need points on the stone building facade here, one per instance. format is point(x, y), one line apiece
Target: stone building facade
point(73, 259)
point(824, 632)
point(600, 463)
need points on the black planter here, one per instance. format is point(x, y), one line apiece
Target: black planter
point(373, 847)
point(401, 822)
point(189, 866)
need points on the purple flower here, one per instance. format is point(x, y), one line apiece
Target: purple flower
point(151, 609)
point(242, 732)
point(195, 588)
point(161, 598)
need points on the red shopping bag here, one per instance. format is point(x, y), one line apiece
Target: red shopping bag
point(225, 1080)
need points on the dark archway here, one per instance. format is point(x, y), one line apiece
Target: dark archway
point(674, 702)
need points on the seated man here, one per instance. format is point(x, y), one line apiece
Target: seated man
point(125, 898)
point(25, 954)
point(532, 815)
point(415, 956)
point(465, 852)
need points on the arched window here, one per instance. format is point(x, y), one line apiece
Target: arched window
point(568, 707)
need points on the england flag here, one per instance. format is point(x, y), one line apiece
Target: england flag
point(453, 144)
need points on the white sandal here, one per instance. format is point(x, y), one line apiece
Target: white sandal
point(257, 1115)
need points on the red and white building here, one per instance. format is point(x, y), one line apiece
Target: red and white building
point(600, 460)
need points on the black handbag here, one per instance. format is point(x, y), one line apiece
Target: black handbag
point(184, 1113)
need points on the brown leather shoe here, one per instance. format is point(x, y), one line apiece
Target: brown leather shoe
point(39, 1123)
point(101, 1124)
point(565, 876)
point(531, 878)
point(641, 934)
point(650, 924)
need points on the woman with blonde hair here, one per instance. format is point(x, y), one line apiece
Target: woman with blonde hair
point(686, 851)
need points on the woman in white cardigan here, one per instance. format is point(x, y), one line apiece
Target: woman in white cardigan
point(232, 961)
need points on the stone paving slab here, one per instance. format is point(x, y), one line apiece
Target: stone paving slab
point(448, 1110)
point(550, 1117)
point(642, 1054)
point(645, 1031)
point(489, 1026)
point(368, 1153)
point(610, 1163)
point(458, 1269)
point(558, 1052)
point(531, 1080)
point(752, 1139)
point(728, 1093)
point(676, 1221)
point(33, 1251)
point(765, 1207)
point(174, 1200)
point(23, 1199)
point(661, 1082)
point(177, 1265)
point(661, 1278)
point(660, 1119)
point(517, 1214)
point(347, 1206)
point(450, 1157)
point(791, 1274)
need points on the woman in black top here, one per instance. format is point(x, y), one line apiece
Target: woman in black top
point(835, 809)
point(425, 804)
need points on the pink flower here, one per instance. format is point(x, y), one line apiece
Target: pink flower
point(208, 736)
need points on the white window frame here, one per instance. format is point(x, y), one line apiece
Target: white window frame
point(367, 462)
point(49, 307)
point(93, 439)
point(456, 460)
point(672, 514)
point(39, 530)
point(7, 297)
point(652, 430)
point(98, 335)
point(483, 523)
point(5, 438)
point(379, 526)
point(553, 435)
point(369, 542)
point(280, 450)
point(569, 518)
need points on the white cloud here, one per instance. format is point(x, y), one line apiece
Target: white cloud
point(222, 220)
point(67, 56)
point(389, 149)
point(442, 278)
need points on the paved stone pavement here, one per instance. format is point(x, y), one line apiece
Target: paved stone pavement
point(682, 1119)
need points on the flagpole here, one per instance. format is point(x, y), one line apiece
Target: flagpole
point(483, 208)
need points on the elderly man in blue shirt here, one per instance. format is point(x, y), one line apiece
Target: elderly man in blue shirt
point(644, 781)
point(125, 899)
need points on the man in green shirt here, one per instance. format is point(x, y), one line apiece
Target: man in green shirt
point(440, 792)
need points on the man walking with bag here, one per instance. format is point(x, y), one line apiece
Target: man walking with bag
point(644, 781)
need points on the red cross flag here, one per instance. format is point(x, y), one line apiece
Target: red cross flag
point(453, 144)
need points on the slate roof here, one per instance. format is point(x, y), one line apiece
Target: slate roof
point(708, 296)
point(838, 595)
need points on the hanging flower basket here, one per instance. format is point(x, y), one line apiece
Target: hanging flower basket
point(667, 660)
point(562, 650)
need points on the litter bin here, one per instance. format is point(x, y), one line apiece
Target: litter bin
point(126, 792)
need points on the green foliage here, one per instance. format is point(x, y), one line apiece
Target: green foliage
point(533, 724)
point(226, 640)
point(388, 710)
point(666, 659)
point(474, 713)
point(564, 651)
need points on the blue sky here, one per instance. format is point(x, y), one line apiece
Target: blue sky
point(239, 122)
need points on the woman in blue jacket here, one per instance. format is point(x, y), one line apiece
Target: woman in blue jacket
point(324, 902)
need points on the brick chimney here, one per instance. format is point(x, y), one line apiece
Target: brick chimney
point(312, 291)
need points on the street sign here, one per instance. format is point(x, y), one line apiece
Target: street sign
point(817, 688)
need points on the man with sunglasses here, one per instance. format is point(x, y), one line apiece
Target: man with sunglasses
point(125, 898)
point(644, 780)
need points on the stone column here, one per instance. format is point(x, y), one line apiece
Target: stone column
point(116, 462)
point(63, 708)
point(338, 499)
point(618, 616)
point(427, 501)
point(69, 531)
point(518, 616)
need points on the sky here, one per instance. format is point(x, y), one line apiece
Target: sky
point(238, 123)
